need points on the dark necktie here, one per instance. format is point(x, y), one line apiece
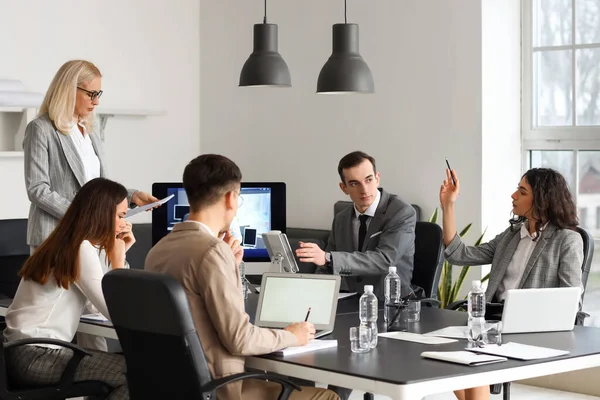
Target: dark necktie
point(362, 230)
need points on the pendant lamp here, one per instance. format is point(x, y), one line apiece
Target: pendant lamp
point(265, 66)
point(345, 71)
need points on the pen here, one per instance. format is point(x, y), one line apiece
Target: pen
point(307, 314)
point(451, 174)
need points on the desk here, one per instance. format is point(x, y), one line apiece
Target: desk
point(396, 369)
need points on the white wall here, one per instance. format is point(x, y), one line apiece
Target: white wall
point(148, 53)
point(425, 56)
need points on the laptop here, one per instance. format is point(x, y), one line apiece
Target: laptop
point(285, 298)
point(540, 310)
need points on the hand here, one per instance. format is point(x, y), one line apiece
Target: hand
point(449, 191)
point(236, 247)
point(142, 198)
point(304, 331)
point(311, 252)
point(117, 255)
point(126, 234)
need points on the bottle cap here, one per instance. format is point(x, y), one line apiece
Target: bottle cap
point(392, 269)
point(476, 284)
point(368, 288)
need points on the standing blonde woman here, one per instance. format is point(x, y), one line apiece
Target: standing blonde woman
point(62, 152)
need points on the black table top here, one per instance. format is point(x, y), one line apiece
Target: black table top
point(399, 362)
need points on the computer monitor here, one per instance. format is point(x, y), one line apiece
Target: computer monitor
point(263, 209)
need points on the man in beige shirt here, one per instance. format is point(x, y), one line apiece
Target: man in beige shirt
point(204, 257)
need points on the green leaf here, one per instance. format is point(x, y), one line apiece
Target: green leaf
point(434, 217)
point(485, 278)
point(465, 230)
point(478, 242)
point(459, 282)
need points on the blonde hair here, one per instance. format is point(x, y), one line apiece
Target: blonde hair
point(59, 103)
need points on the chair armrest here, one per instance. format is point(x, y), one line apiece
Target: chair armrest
point(430, 302)
point(287, 387)
point(456, 305)
point(55, 342)
point(68, 375)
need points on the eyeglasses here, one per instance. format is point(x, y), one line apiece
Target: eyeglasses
point(240, 200)
point(93, 95)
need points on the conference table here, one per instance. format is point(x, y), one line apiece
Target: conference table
point(396, 369)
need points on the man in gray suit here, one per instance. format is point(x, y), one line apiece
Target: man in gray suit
point(368, 238)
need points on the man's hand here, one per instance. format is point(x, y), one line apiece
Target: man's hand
point(304, 331)
point(142, 198)
point(236, 247)
point(310, 252)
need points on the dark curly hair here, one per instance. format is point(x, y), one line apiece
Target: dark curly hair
point(552, 200)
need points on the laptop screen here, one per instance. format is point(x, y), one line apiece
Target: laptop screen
point(287, 299)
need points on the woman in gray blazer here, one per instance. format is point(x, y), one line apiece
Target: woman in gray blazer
point(540, 248)
point(62, 152)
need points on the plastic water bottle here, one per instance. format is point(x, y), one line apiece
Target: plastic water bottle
point(368, 313)
point(476, 310)
point(391, 292)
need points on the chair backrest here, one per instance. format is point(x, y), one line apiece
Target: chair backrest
point(341, 205)
point(14, 251)
point(152, 318)
point(588, 255)
point(429, 257)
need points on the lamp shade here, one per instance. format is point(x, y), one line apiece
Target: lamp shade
point(265, 66)
point(345, 71)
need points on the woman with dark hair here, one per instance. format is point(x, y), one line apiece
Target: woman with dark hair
point(543, 208)
point(57, 281)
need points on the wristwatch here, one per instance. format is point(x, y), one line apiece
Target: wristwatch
point(328, 258)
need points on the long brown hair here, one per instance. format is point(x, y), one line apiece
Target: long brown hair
point(91, 216)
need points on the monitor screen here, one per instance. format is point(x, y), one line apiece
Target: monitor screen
point(263, 209)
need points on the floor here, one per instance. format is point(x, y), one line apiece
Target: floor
point(517, 392)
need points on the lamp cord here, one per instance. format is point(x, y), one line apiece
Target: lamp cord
point(265, 17)
point(345, 12)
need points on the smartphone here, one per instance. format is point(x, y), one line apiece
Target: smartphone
point(451, 173)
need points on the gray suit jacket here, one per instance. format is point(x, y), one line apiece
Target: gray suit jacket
point(390, 241)
point(556, 259)
point(54, 173)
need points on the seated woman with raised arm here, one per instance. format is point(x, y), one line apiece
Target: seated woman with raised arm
point(540, 248)
point(57, 281)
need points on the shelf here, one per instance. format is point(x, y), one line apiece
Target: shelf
point(12, 109)
point(11, 154)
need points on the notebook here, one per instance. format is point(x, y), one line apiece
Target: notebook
point(463, 357)
point(520, 351)
point(313, 345)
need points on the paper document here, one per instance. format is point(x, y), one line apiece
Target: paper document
point(416, 337)
point(94, 317)
point(313, 345)
point(520, 351)
point(345, 295)
point(455, 332)
point(462, 357)
point(137, 210)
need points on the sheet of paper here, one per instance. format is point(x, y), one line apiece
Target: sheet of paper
point(455, 332)
point(416, 337)
point(94, 317)
point(313, 345)
point(137, 210)
point(345, 295)
point(519, 351)
point(462, 357)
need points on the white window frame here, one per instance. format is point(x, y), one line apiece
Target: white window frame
point(550, 138)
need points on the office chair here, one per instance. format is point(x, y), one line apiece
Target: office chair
point(429, 257)
point(164, 356)
point(14, 251)
point(64, 389)
point(588, 255)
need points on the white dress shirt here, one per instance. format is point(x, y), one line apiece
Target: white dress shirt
point(516, 267)
point(50, 311)
point(356, 222)
point(85, 150)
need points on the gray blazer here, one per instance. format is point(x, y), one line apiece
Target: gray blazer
point(556, 259)
point(54, 172)
point(390, 241)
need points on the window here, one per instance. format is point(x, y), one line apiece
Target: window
point(561, 108)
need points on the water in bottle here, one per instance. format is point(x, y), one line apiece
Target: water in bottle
point(368, 313)
point(476, 308)
point(391, 293)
